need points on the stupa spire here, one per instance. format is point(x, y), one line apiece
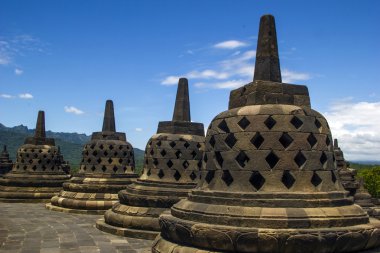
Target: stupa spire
point(109, 118)
point(336, 143)
point(182, 102)
point(40, 125)
point(267, 67)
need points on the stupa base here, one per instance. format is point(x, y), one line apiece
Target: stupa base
point(177, 236)
point(27, 194)
point(126, 232)
point(69, 210)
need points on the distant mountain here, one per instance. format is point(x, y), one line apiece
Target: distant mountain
point(71, 143)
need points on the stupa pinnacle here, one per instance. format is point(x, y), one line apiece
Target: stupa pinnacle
point(268, 181)
point(107, 166)
point(38, 173)
point(172, 162)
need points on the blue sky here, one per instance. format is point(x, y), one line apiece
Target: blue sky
point(69, 57)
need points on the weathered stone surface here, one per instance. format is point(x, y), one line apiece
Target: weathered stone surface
point(268, 179)
point(107, 166)
point(172, 163)
point(6, 164)
point(39, 170)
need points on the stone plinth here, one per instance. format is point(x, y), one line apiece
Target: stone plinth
point(37, 174)
point(268, 181)
point(107, 167)
point(172, 162)
point(6, 164)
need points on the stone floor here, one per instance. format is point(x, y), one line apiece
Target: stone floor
point(30, 228)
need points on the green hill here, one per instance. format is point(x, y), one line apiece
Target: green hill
point(71, 144)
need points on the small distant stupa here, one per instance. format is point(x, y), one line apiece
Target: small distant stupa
point(38, 173)
point(172, 161)
point(107, 166)
point(5, 163)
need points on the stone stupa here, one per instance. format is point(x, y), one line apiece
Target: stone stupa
point(5, 163)
point(172, 162)
point(37, 174)
point(269, 181)
point(107, 166)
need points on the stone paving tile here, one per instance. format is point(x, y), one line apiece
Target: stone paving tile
point(29, 228)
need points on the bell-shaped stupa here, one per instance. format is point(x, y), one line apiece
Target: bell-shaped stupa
point(107, 166)
point(269, 181)
point(172, 162)
point(37, 174)
point(5, 163)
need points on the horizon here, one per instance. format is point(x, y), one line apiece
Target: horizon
point(68, 58)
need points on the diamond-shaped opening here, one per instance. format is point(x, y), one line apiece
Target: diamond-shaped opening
point(300, 159)
point(223, 126)
point(101, 146)
point(244, 123)
point(149, 173)
point(92, 146)
point(317, 123)
point(172, 144)
point(230, 140)
point(44, 156)
point(257, 180)
point(227, 177)
point(31, 161)
point(106, 153)
point(212, 141)
point(199, 164)
point(125, 153)
point(333, 176)
point(35, 156)
point(89, 160)
point(109, 160)
point(121, 161)
point(257, 140)
point(219, 158)
point(193, 154)
point(146, 161)
point(199, 145)
point(185, 164)
point(242, 159)
point(286, 140)
point(328, 141)
point(93, 168)
point(84, 168)
point(177, 175)
point(161, 174)
point(44, 167)
point(186, 145)
point(151, 152)
point(272, 159)
point(209, 176)
point(312, 140)
point(25, 167)
point(323, 158)
point(205, 158)
point(115, 153)
point(34, 167)
point(193, 176)
point(99, 160)
point(115, 168)
point(155, 161)
point(40, 151)
point(270, 122)
point(95, 153)
point(158, 143)
point(178, 154)
point(110, 147)
point(169, 163)
point(39, 161)
point(121, 147)
point(287, 179)
point(163, 152)
point(296, 122)
point(315, 179)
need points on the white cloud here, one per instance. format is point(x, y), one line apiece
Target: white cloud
point(207, 74)
point(170, 80)
point(18, 71)
point(291, 76)
point(25, 96)
point(6, 96)
point(230, 44)
point(356, 126)
point(231, 84)
point(74, 110)
point(138, 129)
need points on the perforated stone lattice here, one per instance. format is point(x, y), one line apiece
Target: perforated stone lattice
point(268, 142)
point(173, 158)
point(38, 158)
point(107, 156)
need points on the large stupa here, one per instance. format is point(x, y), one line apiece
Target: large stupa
point(172, 162)
point(107, 167)
point(268, 182)
point(37, 174)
